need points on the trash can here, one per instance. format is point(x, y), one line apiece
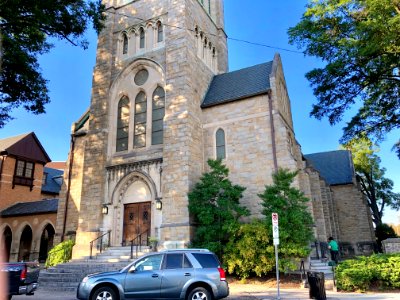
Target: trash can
point(316, 283)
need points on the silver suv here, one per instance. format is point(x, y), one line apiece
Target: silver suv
point(190, 274)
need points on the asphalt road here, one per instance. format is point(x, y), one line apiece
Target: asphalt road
point(240, 292)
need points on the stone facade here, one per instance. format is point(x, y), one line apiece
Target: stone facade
point(391, 245)
point(182, 46)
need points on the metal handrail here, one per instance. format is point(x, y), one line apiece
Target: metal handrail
point(101, 242)
point(139, 237)
point(303, 272)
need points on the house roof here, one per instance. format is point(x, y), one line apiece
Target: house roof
point(53, 182)
point(336, 167)
point(237, 85)
point(30, 208)
point(25, 145)
point(60, 165)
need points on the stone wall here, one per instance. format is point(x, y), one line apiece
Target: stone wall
point(391, 245)
point(353, 215)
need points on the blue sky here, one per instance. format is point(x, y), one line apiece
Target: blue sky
point(69, 71)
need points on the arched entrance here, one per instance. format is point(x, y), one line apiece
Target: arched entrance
point(25, 244)
point(46, 242)
point(6, 245)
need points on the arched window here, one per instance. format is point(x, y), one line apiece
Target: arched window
point(160, 32)
point(158, 116)
point(125, 44)
point(142, 38)
point(122, 124)
point(139, 139)
point(220, 143)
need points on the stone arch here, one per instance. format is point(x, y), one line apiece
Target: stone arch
point(44, 237)
point(6, 241)
point(136, 187)
point(25, 242)
point(122, 85)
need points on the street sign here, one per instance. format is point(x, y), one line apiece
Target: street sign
point(275, 228)
point(275, 234)
point(274, 219)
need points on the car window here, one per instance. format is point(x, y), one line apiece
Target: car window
point(207, 260)
point(186, 262)
point(149, 263)
point(174, 261)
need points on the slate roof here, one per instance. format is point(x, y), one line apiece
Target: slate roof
point(31, 208)
point(237, 85)
point(336, 167)
point(53, 180)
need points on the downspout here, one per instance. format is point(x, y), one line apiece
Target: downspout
point(271, 121)
point(71, 163)
point(1, 166)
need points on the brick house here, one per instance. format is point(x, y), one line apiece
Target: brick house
point(28, 198)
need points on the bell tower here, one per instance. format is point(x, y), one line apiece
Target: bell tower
point(180, 45)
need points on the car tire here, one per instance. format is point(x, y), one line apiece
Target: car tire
point(199, 293)
point(104, 292)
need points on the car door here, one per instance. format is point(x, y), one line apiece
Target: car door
point(143, 280)
point(177, 270)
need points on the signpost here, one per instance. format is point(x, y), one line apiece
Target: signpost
point(275, 235)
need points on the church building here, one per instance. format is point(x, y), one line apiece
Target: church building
point(163, 103)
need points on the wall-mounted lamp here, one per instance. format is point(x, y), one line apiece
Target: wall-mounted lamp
point(158, 204)
point(104, 210)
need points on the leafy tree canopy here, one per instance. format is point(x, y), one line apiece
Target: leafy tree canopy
point(359, 41)
point(25, 26)
point(214, 205)
point(377, 189)
point(250, 250)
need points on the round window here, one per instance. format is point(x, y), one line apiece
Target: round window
point(141, 77)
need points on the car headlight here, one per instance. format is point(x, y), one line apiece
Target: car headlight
point(85, 279)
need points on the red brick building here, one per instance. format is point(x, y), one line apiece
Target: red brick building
point(28, 198)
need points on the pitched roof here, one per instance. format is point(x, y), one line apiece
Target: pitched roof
point(54, 178)
point(237, 85)
point(30, 208)
point(336, 167)
point(25, 145)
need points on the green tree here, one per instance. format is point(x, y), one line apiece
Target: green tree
point(250, 250)
point(377, 189)
point(359, 41)
point(25, 27)
point(295, 221)
point(214, 205)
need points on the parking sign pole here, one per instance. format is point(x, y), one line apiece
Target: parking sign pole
point(275, 235)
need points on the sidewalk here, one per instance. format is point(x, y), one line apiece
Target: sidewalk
point(255, 292)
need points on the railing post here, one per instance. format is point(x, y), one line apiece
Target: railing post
point(109, 238)
point(91, 247)
point(131, 249)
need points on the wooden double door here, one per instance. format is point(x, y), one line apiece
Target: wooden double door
point(137, 222)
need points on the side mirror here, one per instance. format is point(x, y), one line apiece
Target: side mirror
point(132, 269)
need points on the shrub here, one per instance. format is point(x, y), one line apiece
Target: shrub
point(60, 253)
point(360, 273)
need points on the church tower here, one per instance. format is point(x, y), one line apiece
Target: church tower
point(139, 148)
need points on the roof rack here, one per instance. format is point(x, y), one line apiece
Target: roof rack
point(185, 249)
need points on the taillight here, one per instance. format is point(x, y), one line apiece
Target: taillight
point(221, 274)
point(23, 273)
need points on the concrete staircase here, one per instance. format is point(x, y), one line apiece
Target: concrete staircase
point(66, 276)
point(321, 265)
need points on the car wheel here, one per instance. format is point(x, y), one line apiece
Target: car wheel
point(104, 293)
point(199, 293)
